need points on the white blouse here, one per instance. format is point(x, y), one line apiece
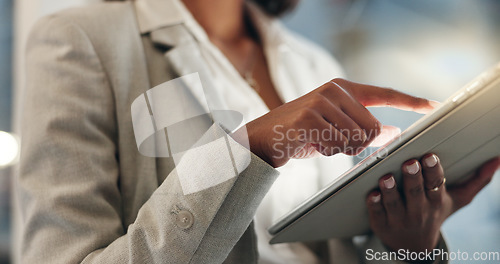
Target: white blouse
point(296, 67)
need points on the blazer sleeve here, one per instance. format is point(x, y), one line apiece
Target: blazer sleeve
point(68, 184)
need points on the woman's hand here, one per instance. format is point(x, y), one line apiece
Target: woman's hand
point(412, 220)
point(329, 120)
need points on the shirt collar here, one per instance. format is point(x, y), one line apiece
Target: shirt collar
point(155, 14)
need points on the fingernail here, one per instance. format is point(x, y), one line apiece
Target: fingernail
point(389, 183)
point(412, 168)
point(434, 104)
point(376, 198)
point(431, 161)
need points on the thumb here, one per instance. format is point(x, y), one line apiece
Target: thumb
point(465, 192)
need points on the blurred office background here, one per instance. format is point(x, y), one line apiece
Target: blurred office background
point(424, 47)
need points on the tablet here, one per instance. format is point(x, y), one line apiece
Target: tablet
point(464, 132)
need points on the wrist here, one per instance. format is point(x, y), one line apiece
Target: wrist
point(248, 137)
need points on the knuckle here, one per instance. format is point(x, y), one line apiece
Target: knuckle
point(325, 87)
point(318, 100)
point(338, 80)
point(333, 87)
point(307, 113)
point(418, 101)
point(390, 94)
point(435, 182)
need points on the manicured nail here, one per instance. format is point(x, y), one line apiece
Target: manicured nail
point(376, 198)
point(389, 183)
point(431, 161)
point(412, 168)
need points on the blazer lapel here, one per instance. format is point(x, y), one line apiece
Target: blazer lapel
point(183, 55)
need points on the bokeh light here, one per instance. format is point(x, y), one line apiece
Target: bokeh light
point(9, 149)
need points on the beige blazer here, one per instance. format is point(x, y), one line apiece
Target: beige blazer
point(85, 192)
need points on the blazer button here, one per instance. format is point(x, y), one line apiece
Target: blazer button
point(184, 219)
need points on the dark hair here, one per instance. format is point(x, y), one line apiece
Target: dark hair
point(277, 7)
point(271, 7)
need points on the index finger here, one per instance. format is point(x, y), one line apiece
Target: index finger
point(374, 96)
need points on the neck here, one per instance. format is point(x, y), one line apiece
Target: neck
point(221, 19)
